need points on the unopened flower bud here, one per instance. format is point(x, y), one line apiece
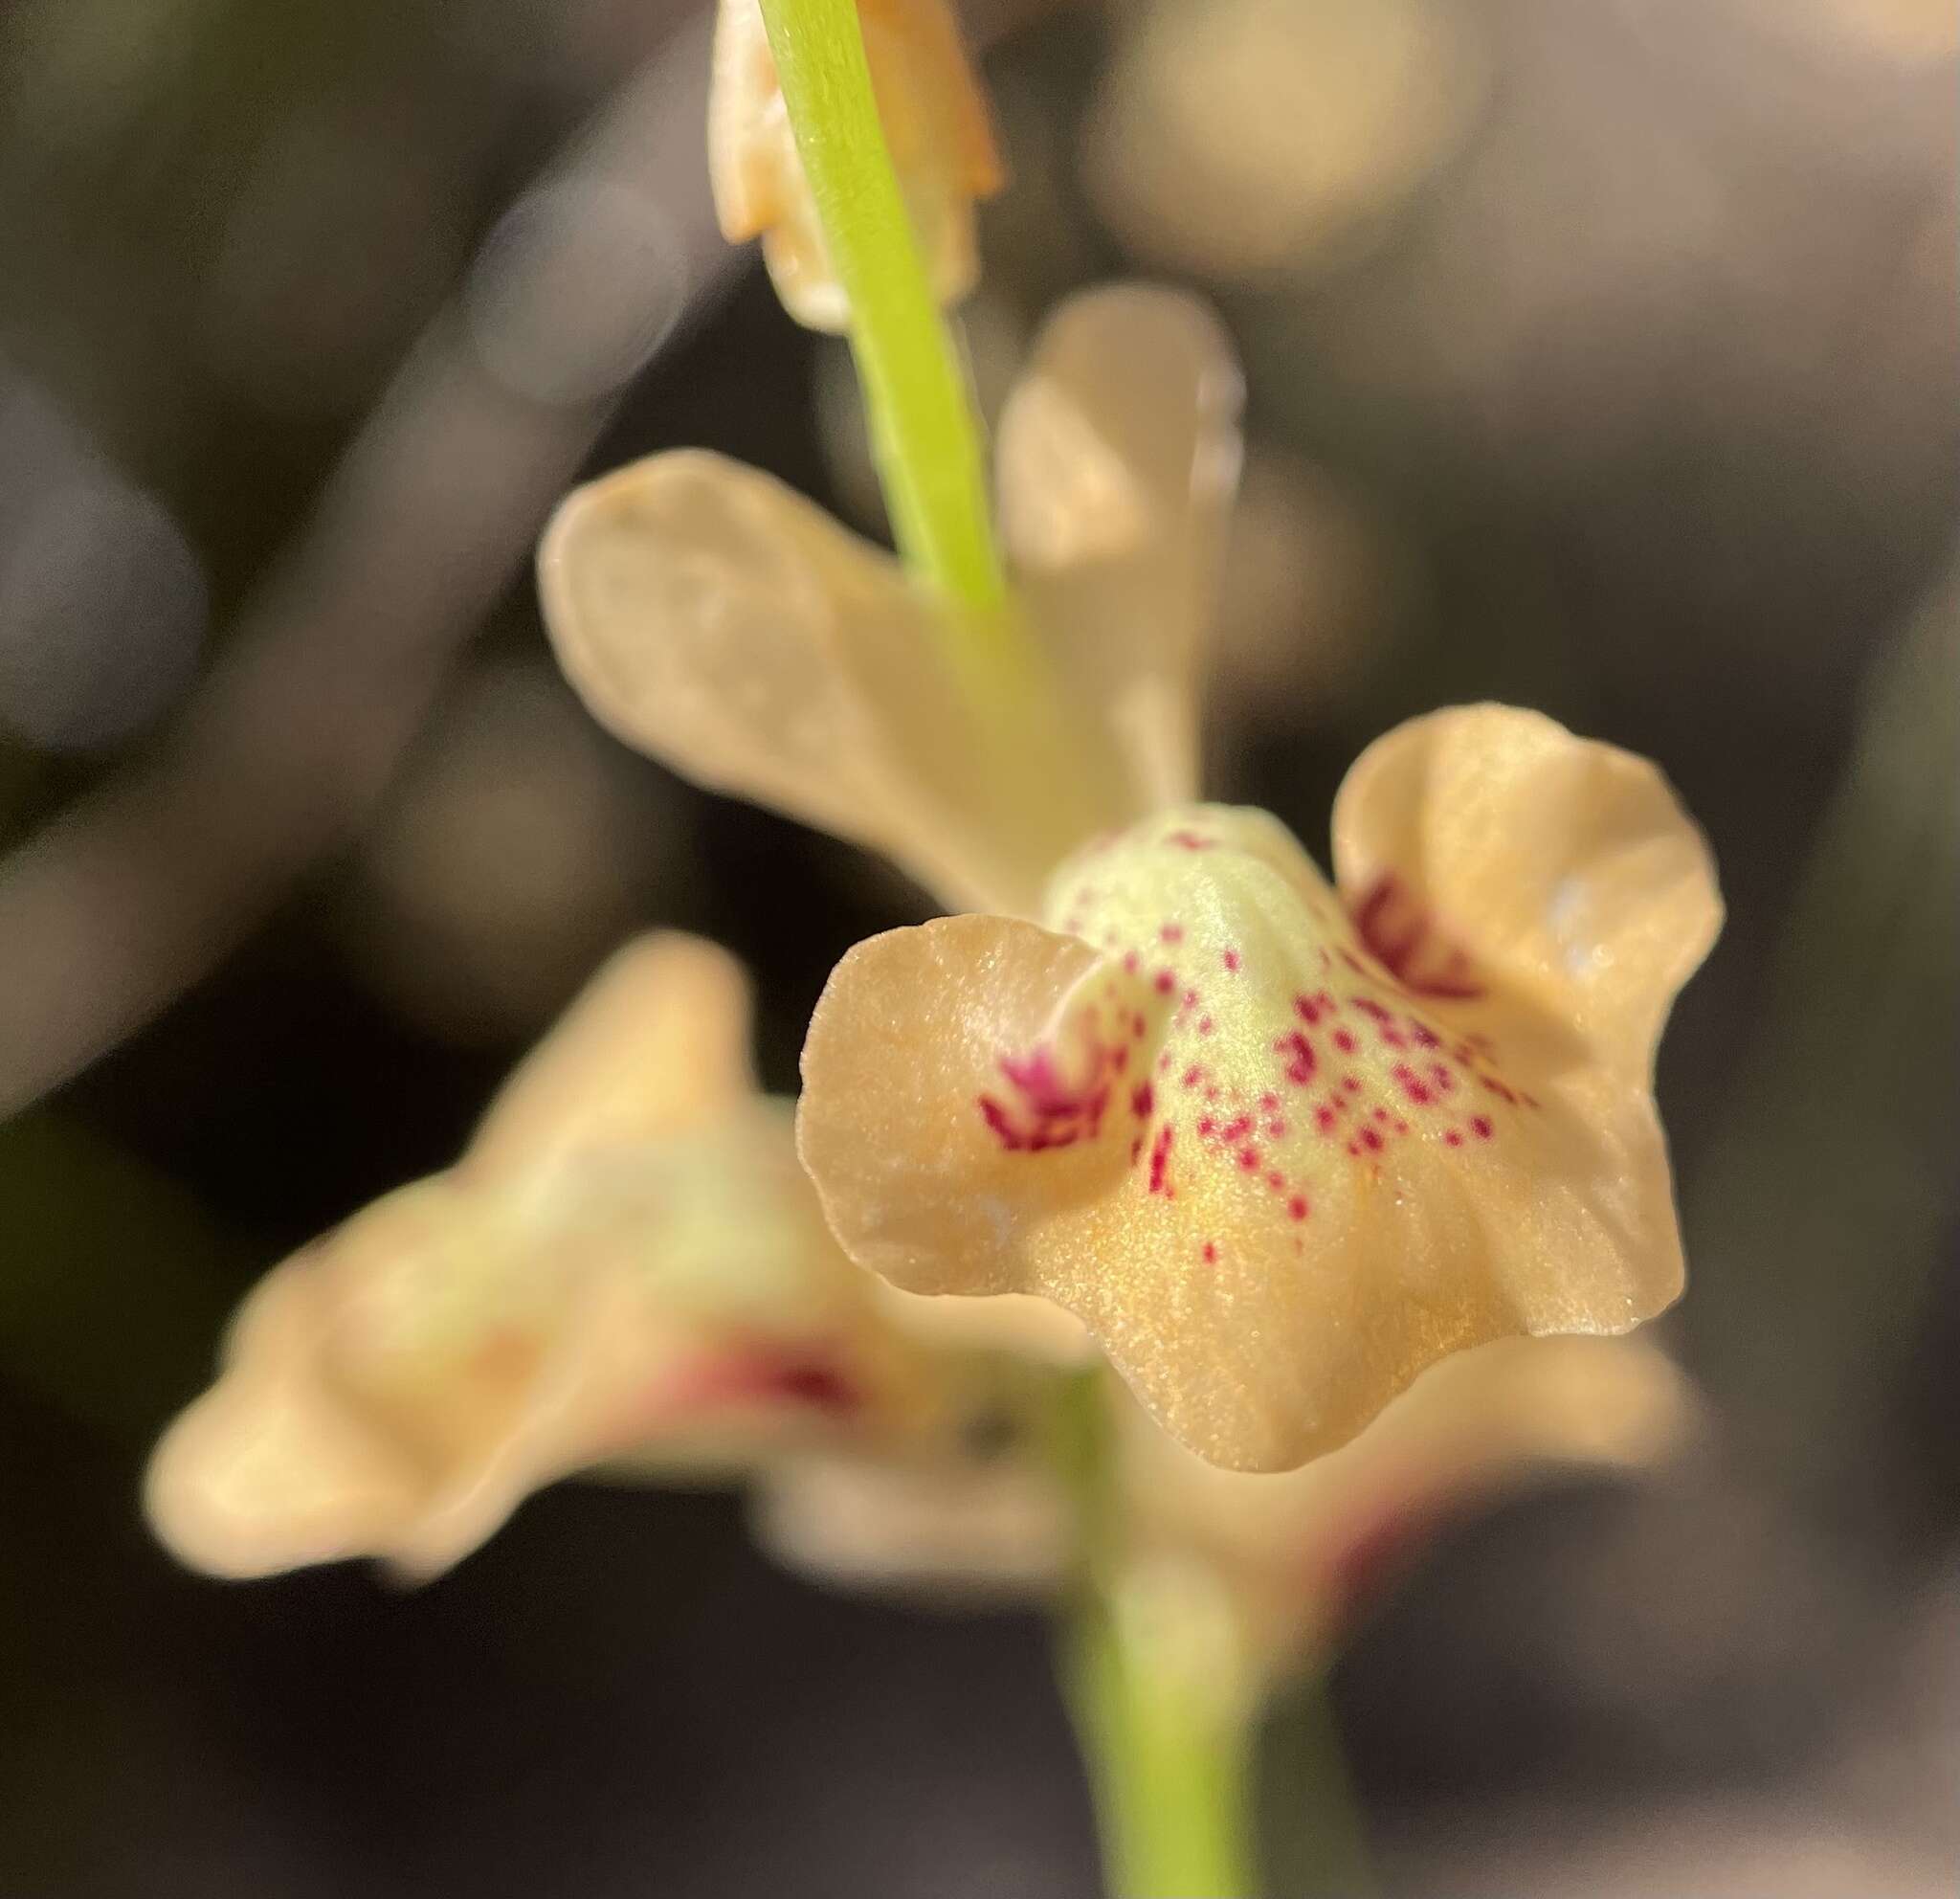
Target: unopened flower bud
point(936, 126)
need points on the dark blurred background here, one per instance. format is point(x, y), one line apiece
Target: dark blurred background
point(1602, 357)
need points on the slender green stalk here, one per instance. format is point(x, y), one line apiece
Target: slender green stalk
point(921, 423)
point(1171, 1773)
point(1168, 1746)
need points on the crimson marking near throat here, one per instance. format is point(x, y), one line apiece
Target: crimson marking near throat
point(1402, 1076)
point(1403, 939)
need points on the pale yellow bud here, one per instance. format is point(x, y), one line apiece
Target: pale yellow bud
point(936, 126)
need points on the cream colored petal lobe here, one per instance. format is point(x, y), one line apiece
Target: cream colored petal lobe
point(1116, 459)
point(270, 1471)
point(1486, 847)
point(593, 1358)
point(963, 1083)
point(657, 1043)
point(716, 619)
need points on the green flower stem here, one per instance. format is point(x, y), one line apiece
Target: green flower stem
point(1169, 1755)
point(1171, 1776)
point(922, 426)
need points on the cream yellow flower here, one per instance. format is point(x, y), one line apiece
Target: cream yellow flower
point(936, 127)
point(728, 627)
point(626, 1265)
point(1279, 1143)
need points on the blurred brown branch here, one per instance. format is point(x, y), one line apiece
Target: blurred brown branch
point(141, 889)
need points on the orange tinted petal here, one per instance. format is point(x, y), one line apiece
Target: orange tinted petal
point(1116, 459)
point(915, 1121)
point(1272, 1181)
point(1486, 847)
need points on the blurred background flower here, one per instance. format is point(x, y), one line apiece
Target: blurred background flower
point(1615, 372)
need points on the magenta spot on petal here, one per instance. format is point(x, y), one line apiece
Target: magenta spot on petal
point(1411, 1084)
point(1301, 1060)
point(1402, 938)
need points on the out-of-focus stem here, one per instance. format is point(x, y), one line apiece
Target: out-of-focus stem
point(922, 426)
point(1168, 1756)
point(1171, 1778)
